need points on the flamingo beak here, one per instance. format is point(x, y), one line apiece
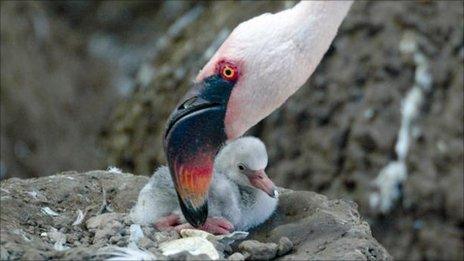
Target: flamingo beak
point(260, 180)
point(194, 135)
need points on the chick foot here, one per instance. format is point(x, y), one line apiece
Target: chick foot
point(168, 223)
point(213, 225)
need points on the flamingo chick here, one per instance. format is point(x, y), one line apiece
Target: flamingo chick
point(241, 195)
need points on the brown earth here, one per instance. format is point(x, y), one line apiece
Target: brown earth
point(319, 228)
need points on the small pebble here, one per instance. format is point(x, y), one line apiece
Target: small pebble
point(165, 236)
point(258, 250)
point(284, 246)
point(127, 220)
point(236, 257)
point(115, 239)
point(227, 248)
point(145, 243)
point(187, 256)
point(193, 245)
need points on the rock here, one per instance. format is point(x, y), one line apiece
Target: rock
point(3, 253)
point(105, 226)
point(232, 237)
point(319, 228)
point(236, 257)
point(196, 233)
point(220, 247)
point(284, 246)
point(59, 238)
point(164, 236)
point(146, 243)
point(225, 240)
point(187, 257)
point(193, 245)
point(258, 250)
point(101, 221)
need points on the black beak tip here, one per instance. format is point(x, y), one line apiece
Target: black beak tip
point(196, 216)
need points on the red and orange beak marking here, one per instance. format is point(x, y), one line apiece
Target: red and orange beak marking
point(193, 180)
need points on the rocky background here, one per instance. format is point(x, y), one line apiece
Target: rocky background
point(85, 85)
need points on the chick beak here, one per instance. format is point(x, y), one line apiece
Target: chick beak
point(260, 180)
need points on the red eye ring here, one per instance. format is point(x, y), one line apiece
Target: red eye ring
point(227, 70)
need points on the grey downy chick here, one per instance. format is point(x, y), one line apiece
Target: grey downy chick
point(240, 191)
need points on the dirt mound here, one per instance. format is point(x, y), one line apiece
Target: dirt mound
point(80, 215)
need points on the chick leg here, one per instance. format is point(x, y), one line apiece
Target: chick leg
point(213, 225)
point(168, 222)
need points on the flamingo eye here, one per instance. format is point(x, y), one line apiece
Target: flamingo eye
point(228, 71)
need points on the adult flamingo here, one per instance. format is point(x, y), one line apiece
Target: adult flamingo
point(262, 63)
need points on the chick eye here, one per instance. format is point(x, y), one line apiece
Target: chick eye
point(241, 166)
